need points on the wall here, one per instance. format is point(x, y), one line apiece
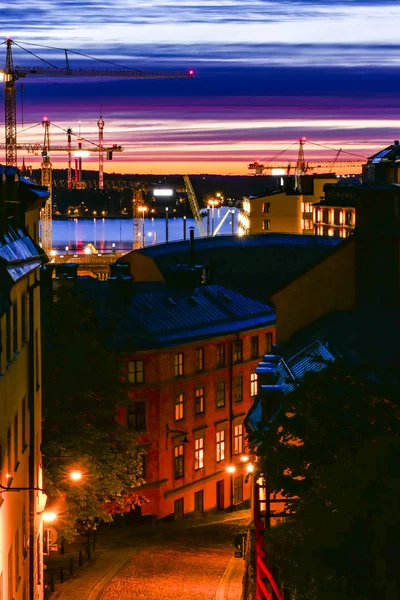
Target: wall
point(326, 287)
point(159, 392)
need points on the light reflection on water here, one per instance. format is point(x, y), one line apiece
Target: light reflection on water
point(103, 233)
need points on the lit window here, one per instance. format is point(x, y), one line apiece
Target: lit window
point(238, 439)
point(266, 224)
point(220, 440)
point(220, 393)
point(179, 462)
point(253, 384)
point(178, 364)
point(199, 400)
point(199, 359)
point(220, 355)
point(266, 207)
point(198, 453)
point(135, 371)
point(238, 388)
point(179, 398)
point(136, 416)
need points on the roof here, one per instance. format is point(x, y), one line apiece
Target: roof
point(387, 155)
point(163, 317)
point(19, 256)
point(255, 265)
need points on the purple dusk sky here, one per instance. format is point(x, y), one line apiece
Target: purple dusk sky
point(266, 74)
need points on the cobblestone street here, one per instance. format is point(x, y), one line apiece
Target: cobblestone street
point(182, 560)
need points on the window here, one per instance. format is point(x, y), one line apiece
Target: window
point(142, 471)
point(220, 355)
point(253, 384)
point(136, 414)
point(237, 351)
point(220, 440)
point(199, 502)
point(179, 465)
point(179, 401)
point(266, 207)
point(254, 346)
point(16, 463)
point(268, 342)
point(238, 389)
point(23, 425)
point(198, 453)
point(199, 359)
point(349, 219)
point(220, 393)
point(266, 224)
point(178, 365)
point(23, 318)
point(238, 489)
point(16, 559)
point(135, 371)
point(199, 401)
point(178, 508)
point(336, 216)
point(325, 215)
point(238, 439)
point(8, 337)
point(15, 327)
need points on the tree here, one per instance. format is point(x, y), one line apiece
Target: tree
point(82, 391)
point(333, 453)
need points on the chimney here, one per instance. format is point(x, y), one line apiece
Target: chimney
point(396, 142)
point(192, 252)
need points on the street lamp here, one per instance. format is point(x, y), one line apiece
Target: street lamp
point(143, 210)
point(213, 203)
point(168, 431)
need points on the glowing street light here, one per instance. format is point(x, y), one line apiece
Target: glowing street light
point(49, 517)
point(230, 469)
point(76, 475)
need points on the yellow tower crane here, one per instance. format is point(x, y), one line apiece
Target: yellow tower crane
point(194, 205)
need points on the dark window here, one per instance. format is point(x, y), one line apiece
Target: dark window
point(15, 327)
point(199, 359)
point(220, 393)
point(336, 216)
point(8, 337)
point(220, 445)
point(137, 416)
point(266, 224)
point(16, 442)
point(254, 346)
point(178, 508)
point(237, 351)
point(349, 219)
point(142, 471)
point(220, 355)
point(325, 215)
point(23, 318)
point(266, 207)
point(135, 371)
point(199, 502)
point(238, 388)
point(179, 462)
point(199, 401)
point(253, 384)
point(238, 489)
point(238, 439)
point(198, 453)
point(268, 342)
point(178, 364)
point(179, 407)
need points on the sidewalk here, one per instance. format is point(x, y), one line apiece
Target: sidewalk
point(230, 585)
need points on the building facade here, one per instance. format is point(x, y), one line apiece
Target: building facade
point(287, 210)
point(21, 501)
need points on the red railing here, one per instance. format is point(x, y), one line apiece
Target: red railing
point(266, 586)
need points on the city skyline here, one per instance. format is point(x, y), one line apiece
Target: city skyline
point(265, 74)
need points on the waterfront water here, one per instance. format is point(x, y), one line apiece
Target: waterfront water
point(103, 233)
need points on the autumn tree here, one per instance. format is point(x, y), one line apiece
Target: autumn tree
point(82, 391)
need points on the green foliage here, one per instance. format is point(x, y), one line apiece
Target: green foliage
point(333, 452)
point(81, 395)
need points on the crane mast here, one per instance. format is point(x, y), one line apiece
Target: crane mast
point(47, 181)
point(69, 150)
point(194, 205)
point(100, 125)
point(10, 108)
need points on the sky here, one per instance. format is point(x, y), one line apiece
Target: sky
point(266, 73)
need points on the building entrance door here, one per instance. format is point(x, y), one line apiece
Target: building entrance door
point(220, 494)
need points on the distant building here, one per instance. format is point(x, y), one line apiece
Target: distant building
point(21, 564)
point(287, 210)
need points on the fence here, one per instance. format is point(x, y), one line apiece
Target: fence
point(60, 566)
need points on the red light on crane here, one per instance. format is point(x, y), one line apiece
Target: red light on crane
point(303, 139)
point(45, 119)
point(191, 73)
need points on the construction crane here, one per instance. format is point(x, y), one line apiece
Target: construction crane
point(138, 211)
point(194, 205)
point(12, 74)
point(312, 166)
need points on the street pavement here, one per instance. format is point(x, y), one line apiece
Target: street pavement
point(185, 560)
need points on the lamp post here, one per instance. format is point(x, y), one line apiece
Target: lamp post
point(168, 432)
